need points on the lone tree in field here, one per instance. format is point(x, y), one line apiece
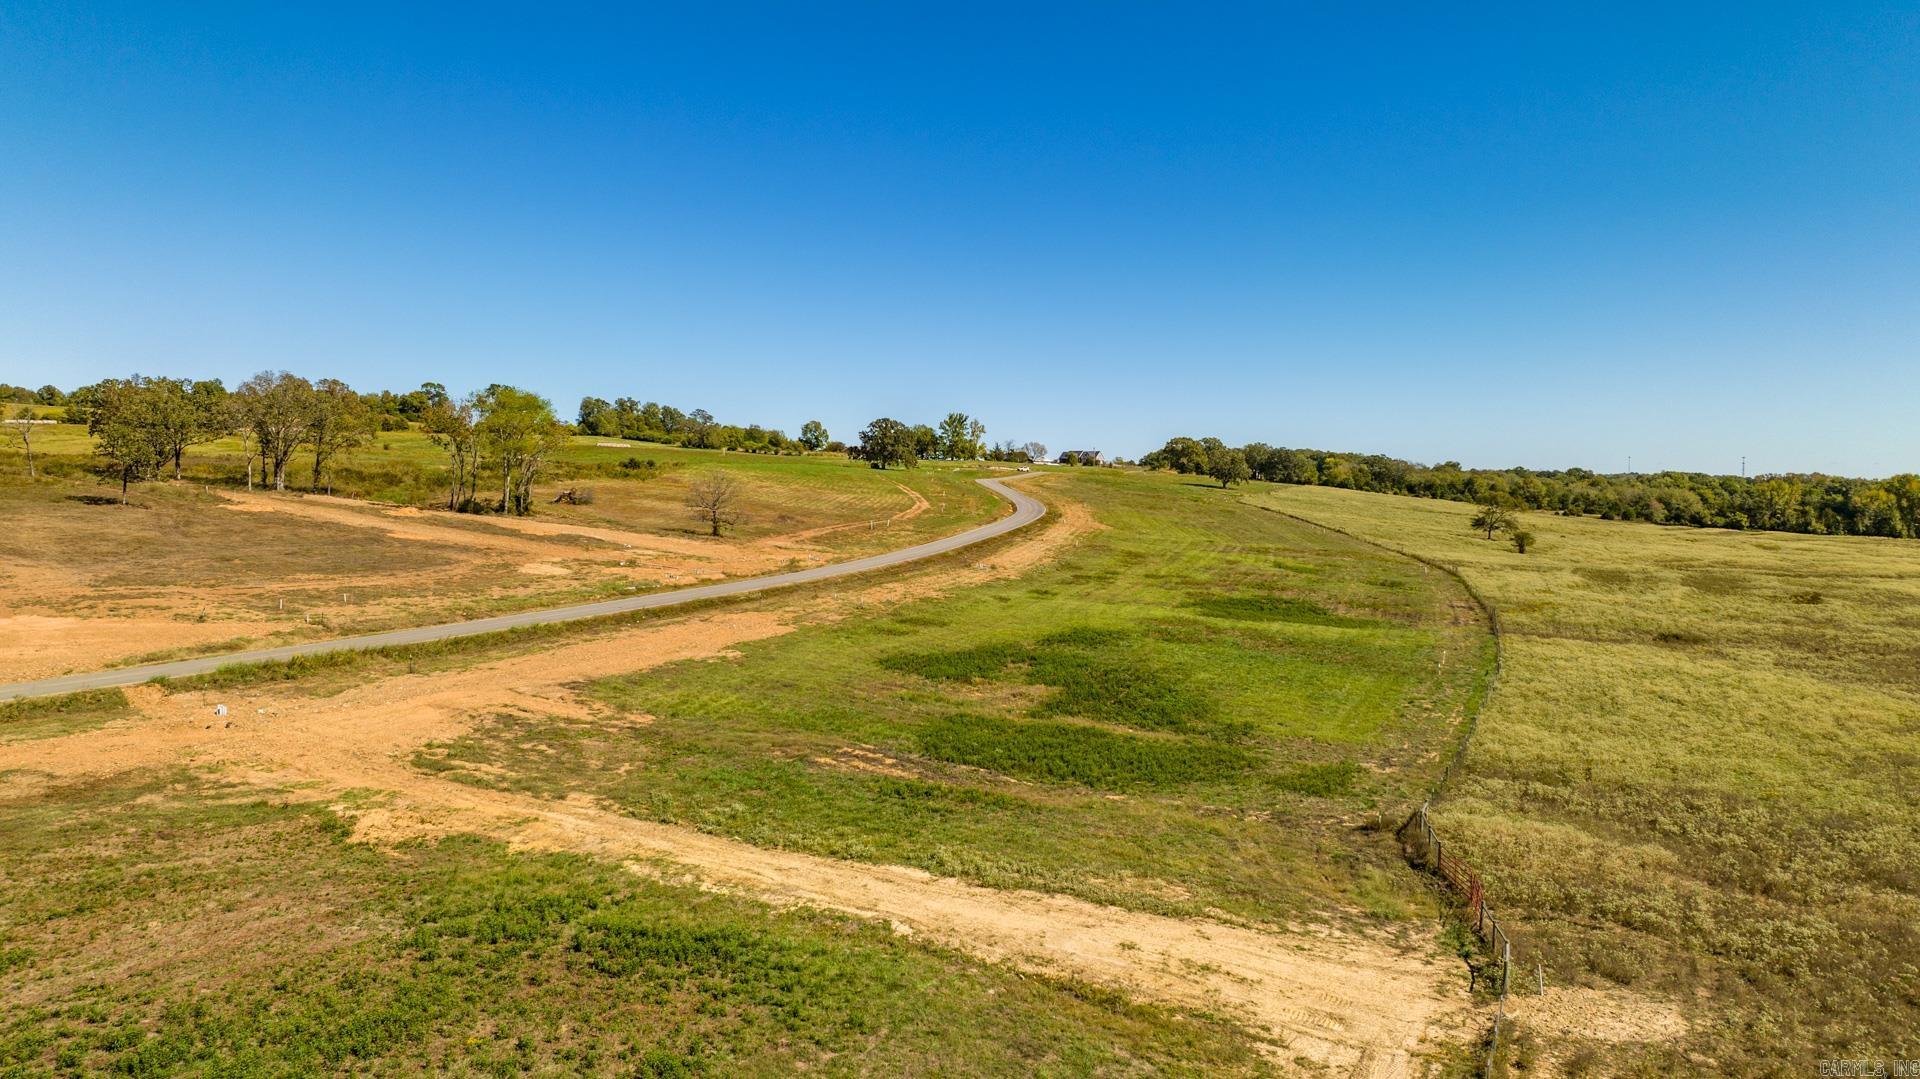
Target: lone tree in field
point(1493, 519)
point(885, 443)
point(22, 425)
point(1229, 467)
point(1522, 539)
point(714, 498)
point(126, 432)
point(813, 435)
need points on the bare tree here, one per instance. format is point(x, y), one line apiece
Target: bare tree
point(714, 498)
point(22, 425)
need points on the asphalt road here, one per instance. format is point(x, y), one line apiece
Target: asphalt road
point(1026, 510)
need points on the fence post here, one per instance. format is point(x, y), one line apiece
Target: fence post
point(1493, 1045)
point(1506, 970)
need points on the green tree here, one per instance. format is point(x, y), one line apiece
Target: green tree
point(518, 430)
point(341, 421)
point(279, 408)
point(450, 425)
point(885, 443)
point(188, 413)
point(1228, 466)
point(1186, 456)
point(125, 429)
point(952, 443)
point(597, 417)
point(1493, 519)
point(49, 395)
point(1875, 512)
point(698, 430)
point(813, 435)
point(1905, 489)
point(1522, 539)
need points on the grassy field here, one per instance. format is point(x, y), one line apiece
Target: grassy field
point(1201, 708)
point(165, 924)
point(1205, 708)
point(1697, 776)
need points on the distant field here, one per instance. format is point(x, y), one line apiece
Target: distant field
point(203, 565)
point(1697, 777)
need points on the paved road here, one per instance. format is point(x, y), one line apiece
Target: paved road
point(1026, 510)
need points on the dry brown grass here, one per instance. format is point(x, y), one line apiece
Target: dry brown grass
point(1695, 781)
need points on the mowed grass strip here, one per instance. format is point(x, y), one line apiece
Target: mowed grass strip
point(166, 925)
point(1696, 780)
point(1085, 728)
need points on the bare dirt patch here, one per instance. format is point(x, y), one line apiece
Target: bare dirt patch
point(1605, 1015)
point(37, 646)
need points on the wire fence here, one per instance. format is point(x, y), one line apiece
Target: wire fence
point(1427, 851)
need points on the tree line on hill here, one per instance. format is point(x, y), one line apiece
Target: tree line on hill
point(144, 425)
point(889, 443)
point(1782, 503)
point(628, 419)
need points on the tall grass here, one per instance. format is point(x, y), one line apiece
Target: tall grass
point(1695, 781)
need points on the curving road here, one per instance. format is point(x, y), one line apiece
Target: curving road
point(1026, 510)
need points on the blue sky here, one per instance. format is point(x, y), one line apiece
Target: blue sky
point(1513, 236)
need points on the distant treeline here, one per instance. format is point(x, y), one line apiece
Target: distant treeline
point(1782, 503)
point(142, 427)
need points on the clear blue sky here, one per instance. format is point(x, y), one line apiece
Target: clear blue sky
point(1543, 234)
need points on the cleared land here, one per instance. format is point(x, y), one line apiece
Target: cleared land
point(1195, 715)
point(1693, 792)
point(205, 567)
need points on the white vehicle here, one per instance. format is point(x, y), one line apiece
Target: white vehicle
point(1024, 468)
